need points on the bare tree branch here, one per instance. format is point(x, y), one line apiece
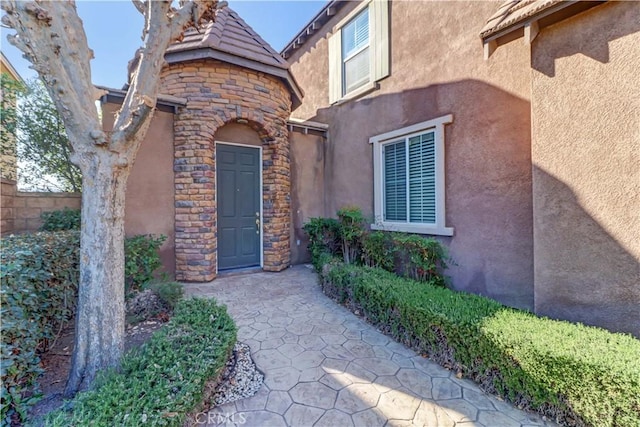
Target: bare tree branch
point(54, 31)
point(143, 7)
point(51, 36)
point(140, 5)
point(165, 25)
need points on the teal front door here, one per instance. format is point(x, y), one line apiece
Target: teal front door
point(238, 182)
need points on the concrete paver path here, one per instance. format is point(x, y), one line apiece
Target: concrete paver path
point(324, 366)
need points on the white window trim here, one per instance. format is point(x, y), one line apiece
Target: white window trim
point(378, 141)
point(361, 91)
point(378, 51)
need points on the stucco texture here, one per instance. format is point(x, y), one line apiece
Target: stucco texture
point(436, 70)
point(307, 187)
point(149, 205)
point(586, 176)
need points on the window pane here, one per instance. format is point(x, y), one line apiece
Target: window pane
point(356, 71)
point(355, 34)
point(422, 179)
point(395, 182)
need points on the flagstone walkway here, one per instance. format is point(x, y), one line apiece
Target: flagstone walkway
point(323, 366)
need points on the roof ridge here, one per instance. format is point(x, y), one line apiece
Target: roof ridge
point(243, 41)
point(256, 37)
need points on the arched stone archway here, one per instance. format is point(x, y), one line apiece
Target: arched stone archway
point(217, 94)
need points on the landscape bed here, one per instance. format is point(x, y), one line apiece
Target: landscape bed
point(165, 381)
point(575, 374)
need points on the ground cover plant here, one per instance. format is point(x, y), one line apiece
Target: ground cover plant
point(578, 375)
point(163, 381)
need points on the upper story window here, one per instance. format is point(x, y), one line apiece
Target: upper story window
point(359, 51)
point(409, 187)
point(356, 61)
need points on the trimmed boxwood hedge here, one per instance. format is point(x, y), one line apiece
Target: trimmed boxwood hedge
point(577, 374)
point(164, 381)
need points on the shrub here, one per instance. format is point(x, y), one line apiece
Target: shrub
point(409, 255)
point(39, 287)
point(142, 259)
point(39, 284)
point(324, 238)
point(65, 219)
point(378, 250)
point(169, 292)
point(352, 225)
point(419, 258)
point(580, 375)
point(162, 382)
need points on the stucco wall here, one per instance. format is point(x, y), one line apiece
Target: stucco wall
point(150, 188)
point(586, 156)
point(307, 188)
point(437, 68)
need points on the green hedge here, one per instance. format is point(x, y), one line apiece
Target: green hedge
point(574, 373)
point(39, 284)
point(164, 381)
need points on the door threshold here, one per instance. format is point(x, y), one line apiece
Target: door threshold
point(240, 271)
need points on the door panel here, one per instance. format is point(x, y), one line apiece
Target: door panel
point(238, 182)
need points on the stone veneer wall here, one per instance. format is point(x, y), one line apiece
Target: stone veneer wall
point(219, 93)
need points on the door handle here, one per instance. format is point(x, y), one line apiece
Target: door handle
point(258, 223)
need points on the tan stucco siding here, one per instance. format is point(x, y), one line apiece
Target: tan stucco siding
point(437, 68)
point(586, 157)
point(150, 188)
point(307, 187)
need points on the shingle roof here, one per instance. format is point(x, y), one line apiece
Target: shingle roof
point(230, 34)
point(513, 12)
point(229, 39)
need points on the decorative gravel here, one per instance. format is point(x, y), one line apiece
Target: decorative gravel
point(240, 378)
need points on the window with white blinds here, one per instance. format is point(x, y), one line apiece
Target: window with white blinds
point(409, 179)
point(409, 174)
point(395, 181)
point(355, 52)
point(359, 51)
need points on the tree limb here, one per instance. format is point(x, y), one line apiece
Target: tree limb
point(165, 25)
point(51, 36)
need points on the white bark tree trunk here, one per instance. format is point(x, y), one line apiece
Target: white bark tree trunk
point(100, 316)
point(51, 36)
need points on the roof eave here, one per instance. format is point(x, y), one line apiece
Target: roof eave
point(208, 53)
point(118, 95)
point(315, 24)
point(11, 70)
point(530, 25)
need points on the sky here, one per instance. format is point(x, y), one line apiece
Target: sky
point(114, 29)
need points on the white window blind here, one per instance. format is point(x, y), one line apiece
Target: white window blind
point(395, 181)
point(410, 164)
point(355, 52)
point(409, 178)
point(422, 179)
point(359, 50)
